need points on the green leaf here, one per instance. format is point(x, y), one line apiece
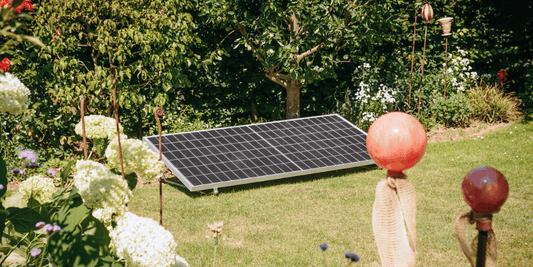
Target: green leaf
point(3, 177)
point(23, 219)
point(132, 180)
point(66, 172)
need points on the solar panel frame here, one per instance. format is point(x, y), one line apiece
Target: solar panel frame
point(236, 155)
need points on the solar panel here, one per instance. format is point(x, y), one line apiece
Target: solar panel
point(214, 158)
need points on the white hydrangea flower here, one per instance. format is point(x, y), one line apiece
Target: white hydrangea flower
point(143, 242)
point(98, 126)
point(14, 95)
point(99, 187)
point(39, 187)
point(137, 157)
point(105, 215)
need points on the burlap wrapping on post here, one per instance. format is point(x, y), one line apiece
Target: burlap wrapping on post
point(394, 222)
point(461, 229)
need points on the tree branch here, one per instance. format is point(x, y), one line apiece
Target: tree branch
point(308, 52)
point(276, 80)
point(243, 32)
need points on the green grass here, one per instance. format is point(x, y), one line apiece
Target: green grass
point(281, 223)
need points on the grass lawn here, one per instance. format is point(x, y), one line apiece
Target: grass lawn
point(281, 223)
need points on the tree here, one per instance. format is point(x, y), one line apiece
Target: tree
point(145, 40)
point(297, 42)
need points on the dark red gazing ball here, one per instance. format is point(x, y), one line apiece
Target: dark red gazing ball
point(485, 189)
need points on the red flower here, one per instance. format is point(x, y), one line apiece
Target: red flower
point(4, 65)
point(502, 76)
point(26, 4)
point(5, 3)
point(57, 34)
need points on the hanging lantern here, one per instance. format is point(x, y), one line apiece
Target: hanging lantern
point(446, 24)
point(427, 12)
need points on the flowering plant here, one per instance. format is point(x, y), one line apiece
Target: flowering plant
point(98, 126)
point(368, 98)
point(137, 158)
point(38, 187)
point(99, 187)
point(143, 242)
point(14, 95)
point(459, 71)
point(502, 76)
point(26, 4)
point(5, 64)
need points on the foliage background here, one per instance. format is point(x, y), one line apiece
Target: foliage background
point(185, 56)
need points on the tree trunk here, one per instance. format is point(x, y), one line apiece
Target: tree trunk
point(293, 98)
point(253, 108)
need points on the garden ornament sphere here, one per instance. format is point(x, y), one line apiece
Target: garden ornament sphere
point(485, 189)
point(396, 141)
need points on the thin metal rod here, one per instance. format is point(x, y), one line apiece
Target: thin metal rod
point(115, 106)
point(83, 108)
point(481, 248)
point(159, 112)
point(422, 74)
point(161, 201)
point(412, 59)
point(445, 67)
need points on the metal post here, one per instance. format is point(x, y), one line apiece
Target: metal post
point(422, 74)
point(481, 248)
point(412, 59)
point(83, 108)
point(115, 106)
point(159, 112)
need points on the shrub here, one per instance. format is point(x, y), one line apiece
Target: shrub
point(491, 104)
point(454, 111)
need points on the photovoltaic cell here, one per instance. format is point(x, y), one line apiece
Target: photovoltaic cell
point(265, 151)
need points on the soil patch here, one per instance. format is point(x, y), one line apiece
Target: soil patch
point(453, 134)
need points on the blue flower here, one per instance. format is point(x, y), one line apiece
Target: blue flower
point(29, 155)
point(2, 187)
point(40, 224)
point(34, 252)
point(51, 172)
point(324, 246)
point(352, 256)
point(48, 227)
point(56, 228)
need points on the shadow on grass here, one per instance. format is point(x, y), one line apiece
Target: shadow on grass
point(289, 180)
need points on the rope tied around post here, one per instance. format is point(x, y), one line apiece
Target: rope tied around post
point(394, 220)
point(483, 221)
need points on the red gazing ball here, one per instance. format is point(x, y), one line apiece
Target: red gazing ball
point(485, 189)
point(396, 141)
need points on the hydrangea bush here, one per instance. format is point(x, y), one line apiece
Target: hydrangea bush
point(143, 242)
point(39, 187)
point(14, 95)
point(98, 126)
point(99, 187)
point(137, 158)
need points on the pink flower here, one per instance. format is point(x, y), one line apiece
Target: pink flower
point(40, 224)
